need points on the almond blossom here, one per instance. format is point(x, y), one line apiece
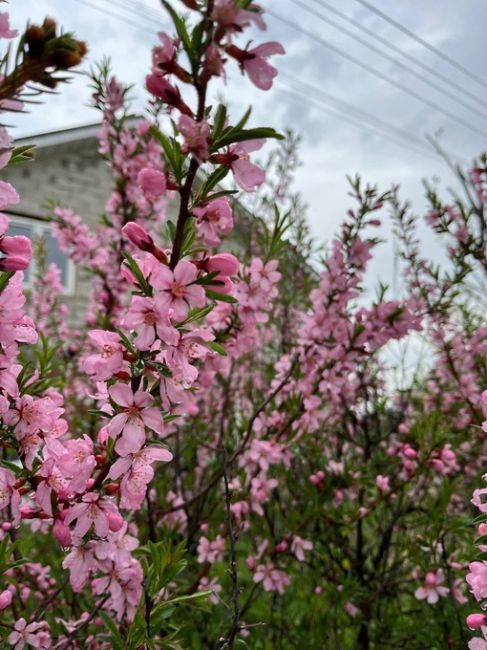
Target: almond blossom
point(176, 289)
point(135, 414)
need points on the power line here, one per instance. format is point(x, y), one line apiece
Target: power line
point(290, 90)
point(432, 84)
point(112, 14)
point(424, 43)
point(309, 91)
point(140, 9)
point(398, 50)
point(350, 108)
point(377, 73)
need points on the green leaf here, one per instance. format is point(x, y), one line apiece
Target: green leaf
point(197, 313)
point(162, 368)
point(240, 135)
point(24, 153)
point(171, 151)
point(213, 179)
point(217, 348)
point(115, 638)
point(198, 595)
point(16, 469)
point(222, 297)
point(244, 119)
point(180, 28)
point(159, 614)
point(139, 276)
point(209, 278)
point(219, 121)
point(4, 279)
point(215, 195)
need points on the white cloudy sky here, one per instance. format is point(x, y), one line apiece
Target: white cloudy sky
point(332, 147)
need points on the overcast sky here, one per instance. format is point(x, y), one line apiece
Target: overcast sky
point(334, 143)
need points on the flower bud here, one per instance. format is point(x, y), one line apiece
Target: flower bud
point(28, 512)
point(14, 263)
point(115, 521)
point(138, 235)
point(111, 488)
point(474, 621)
point(225, 285)
point(224, 263)
point(152, 183)
point(5, 599)
point(62, 533)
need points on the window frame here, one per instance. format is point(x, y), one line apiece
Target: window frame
point(37, 227)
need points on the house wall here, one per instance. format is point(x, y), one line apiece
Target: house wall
point(73, 175)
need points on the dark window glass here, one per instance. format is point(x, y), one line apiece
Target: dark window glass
point(53, 254)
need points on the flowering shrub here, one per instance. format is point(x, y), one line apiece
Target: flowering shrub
point(225, 432)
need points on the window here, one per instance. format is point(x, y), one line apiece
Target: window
point(36, 229)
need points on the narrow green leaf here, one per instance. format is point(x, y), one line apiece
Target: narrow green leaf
point(222, 297)
point(217, 348)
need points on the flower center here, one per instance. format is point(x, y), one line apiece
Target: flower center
point(150, 318)
point(178, 290)
point(107, 351)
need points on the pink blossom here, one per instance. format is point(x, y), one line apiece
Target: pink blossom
point(9, 496)
point(164, 53)
point(138, 235)
point(153, 185)
point(5, 599)
point(299, 546)
point(196, 137)
point(18, 253)
point(432, 588)
point(210, 551)
point(247, 175)
point(8, 195)
point(351, 609)
point(33, 634)
point(149, 317)
point(213, 585)
point(477, 579)
point(5, 31)
point(136, 413)
point(225, 263)
point(214, 219)
point(137, 473)
point(176, 289)
point(255, 64)
point(230, 16)
point(382, 483)
point(109, 360)
point(474, 621)
point(95, 512)
point(273, 579)
point(117, 547)
point(81, 562)
point(160, 87)
point(77, 462)
point(33, 414)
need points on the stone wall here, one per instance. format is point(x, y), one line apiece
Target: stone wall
point(73, 175)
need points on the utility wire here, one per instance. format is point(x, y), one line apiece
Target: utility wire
point(140, 9)
point(112, 14)
point(397, 50)
point(290, 90)
point(307, 88)
point(377, 73)
point(424, 43)
point(454, 96)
